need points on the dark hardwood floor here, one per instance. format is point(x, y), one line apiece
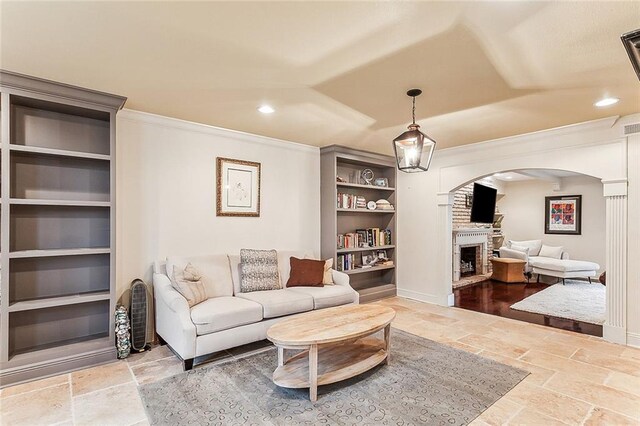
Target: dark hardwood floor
point(494, 297)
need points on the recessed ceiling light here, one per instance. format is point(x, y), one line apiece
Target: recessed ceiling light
point(266, 109)
point(606, 102)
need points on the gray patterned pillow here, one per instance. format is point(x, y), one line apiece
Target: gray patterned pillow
point(259, 270)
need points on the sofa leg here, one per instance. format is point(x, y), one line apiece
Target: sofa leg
point(161, 341)
point(188, 364)
point(589, 278)
point(563, 281)
point(538, 279)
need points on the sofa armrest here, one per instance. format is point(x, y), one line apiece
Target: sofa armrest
point(173, 317)
point(340, 278)
point(514, 254)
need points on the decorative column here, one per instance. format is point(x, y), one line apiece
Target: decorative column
point(445, 233)
point(615, 326)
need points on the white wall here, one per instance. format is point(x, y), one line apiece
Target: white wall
point(166, 201)
point(523, 206)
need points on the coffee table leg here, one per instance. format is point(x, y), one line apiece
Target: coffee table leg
point(387, 346)
point(313, 373)
point(280, 356)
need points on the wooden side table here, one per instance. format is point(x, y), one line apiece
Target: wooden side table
point(508, 270)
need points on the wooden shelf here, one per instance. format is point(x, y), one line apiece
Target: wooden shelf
point(371, 187)
point(58, 301)
point(88, 345)
point(58, 152)
point(359, 249)
point(380, 211)
point(372, 269)
point(58, 252)
point(71, 203)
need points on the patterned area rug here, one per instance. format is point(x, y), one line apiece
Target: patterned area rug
point(425, 383)
point(576, 300)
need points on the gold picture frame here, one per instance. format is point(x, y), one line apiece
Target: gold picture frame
point(237, 188)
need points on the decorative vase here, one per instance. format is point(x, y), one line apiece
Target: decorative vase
point(123, 337)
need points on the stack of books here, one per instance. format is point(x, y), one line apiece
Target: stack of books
point(346, 262)
point(350, 201)
point(370, 237)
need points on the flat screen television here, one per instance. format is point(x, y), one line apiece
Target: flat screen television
point(483, 205)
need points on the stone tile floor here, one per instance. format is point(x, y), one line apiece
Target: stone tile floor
point(575, 379)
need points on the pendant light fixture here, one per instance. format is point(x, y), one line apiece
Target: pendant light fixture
point(413, 148)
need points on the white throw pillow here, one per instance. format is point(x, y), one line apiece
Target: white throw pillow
point(188, 283)
point(327, 278)
point(550, 251)
point(534, 246)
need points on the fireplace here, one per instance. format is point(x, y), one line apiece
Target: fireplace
point(468, 260)
point(473, 242)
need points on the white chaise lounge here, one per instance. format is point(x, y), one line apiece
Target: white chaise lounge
point(547, 260)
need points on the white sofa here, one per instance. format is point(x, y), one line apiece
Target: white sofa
point(561, 267)
point(229, 318)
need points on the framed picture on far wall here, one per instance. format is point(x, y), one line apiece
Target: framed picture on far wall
point(563, 215)
point(237, 188)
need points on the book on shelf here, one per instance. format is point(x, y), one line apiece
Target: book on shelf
point(363, 238)
point(350, 201)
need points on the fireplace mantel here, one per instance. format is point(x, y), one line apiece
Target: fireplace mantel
point(468, 237)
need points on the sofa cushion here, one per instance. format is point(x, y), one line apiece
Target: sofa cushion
point(277, 303)
point(325, 297)
point(534, 245)
point(214, 269)
point(306, 272)
point(221, 313)
point(551, 251)
point(259, 270)
point(562, 265)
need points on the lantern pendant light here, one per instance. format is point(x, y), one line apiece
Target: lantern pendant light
point(413, 148)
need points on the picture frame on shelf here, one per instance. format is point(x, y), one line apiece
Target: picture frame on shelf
point(381, 182)
point(381, 254)
point(368, 260)
point(563, 215)
point(237, 188)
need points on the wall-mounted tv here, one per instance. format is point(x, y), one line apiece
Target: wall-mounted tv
point(483, 206)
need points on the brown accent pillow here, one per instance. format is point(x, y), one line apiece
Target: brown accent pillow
point(306, 272)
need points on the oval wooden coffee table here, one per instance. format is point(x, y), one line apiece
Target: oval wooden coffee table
point(336, 344)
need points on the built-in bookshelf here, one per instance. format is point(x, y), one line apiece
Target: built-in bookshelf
point(352, 234)
point(57, 233)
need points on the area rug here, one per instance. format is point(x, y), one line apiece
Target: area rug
point(576, 300)
point(425, 383)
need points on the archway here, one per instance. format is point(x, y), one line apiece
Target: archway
point(520, 216)
point(614, 191)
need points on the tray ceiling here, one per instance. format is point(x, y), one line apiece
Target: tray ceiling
point(337, 72)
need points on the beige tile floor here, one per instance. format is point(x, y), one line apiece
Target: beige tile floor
point(575, 379)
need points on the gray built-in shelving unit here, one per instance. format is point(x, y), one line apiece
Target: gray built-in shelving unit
point(379, 281)
point(57, 228)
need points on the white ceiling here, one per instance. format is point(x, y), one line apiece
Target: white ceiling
point(337, 72)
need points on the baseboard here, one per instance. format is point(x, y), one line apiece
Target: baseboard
point(633, 339)
point(424, 297)
point(17, 375)
point(614, 334)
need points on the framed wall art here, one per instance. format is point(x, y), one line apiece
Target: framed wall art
point(237, 188)
point(563, 215)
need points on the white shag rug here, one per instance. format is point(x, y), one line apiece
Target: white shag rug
point(576, 300)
